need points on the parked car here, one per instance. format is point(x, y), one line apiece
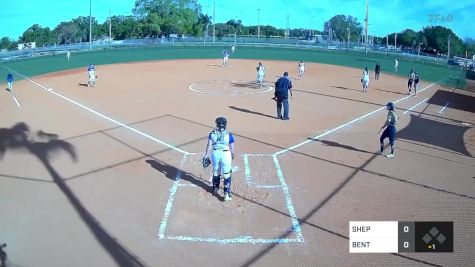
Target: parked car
point(453, 62)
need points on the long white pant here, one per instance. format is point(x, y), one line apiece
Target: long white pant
point(222, 162)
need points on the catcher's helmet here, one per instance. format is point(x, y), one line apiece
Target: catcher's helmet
point(390, 106)
point(221, 123)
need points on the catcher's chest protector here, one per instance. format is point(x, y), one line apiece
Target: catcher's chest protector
point(220, 140)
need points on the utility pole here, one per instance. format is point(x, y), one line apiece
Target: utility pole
point(387, 42)
point(395, 41)
point(287, 32)
point(418, 51)
point(348, 42)
point(310, 25)
point(214, 21)
point(90, 25)
point(110, 26)
point(366, 29)
point(258, 23)
point(448, 49)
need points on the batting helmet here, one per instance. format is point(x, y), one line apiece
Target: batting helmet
point(221, 123)
point(390, 106)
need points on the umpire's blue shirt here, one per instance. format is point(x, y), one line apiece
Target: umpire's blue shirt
point(282, 87)
point(9, 78)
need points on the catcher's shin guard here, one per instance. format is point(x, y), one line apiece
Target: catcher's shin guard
point(216, 179)
point(227, 185)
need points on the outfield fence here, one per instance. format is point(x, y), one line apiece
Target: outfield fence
point(457, 74)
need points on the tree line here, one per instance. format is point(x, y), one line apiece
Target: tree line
point(157, 18)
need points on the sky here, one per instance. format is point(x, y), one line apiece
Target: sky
point(384, 16)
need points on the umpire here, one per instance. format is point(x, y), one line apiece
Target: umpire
point(283, 86)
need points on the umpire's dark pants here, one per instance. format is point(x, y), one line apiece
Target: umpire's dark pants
point(285, 103)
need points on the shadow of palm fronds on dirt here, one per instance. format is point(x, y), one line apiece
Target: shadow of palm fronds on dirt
point(44, 146)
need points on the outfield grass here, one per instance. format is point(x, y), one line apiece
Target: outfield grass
point(45, 64)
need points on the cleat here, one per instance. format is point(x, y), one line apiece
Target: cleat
point(215, 190)
point(227, 197)
point(390, 156)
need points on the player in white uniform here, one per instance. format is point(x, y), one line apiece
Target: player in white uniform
point(396, 64)
point(91, 71)
point(233, 48)
point(225, 58)
point(68, 55)
point(221, 147)
point(365, 79)
point(301, 69)
point(261, 72)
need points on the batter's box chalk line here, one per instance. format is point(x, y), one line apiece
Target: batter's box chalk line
point(242, 239)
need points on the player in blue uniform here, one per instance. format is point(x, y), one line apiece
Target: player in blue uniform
point(10, 81)
point(91, 71)
point(390, 131)
point(221, 148)
point(225, 57)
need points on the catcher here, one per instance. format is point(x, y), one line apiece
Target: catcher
point(221, 148)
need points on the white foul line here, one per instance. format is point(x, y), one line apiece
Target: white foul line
point(16, 101)
point(348, 123)
point(416, 105)
point(102, 115)
point(442, 109)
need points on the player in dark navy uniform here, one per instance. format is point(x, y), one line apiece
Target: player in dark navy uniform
point(282, 88)
point(390, 131)
point(377, 70)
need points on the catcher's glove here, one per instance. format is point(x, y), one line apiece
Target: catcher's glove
point(206, 162)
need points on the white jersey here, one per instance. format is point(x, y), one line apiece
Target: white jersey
point(261, 71)
point(365, 76)
point(301, 66)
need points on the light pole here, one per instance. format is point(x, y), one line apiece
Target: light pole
point(366, 28)
point(448, 49)
point(348, 42)
point(214, 21)
point(419, 51)
point(287, 31)
point(90, 25)
point(258, 23)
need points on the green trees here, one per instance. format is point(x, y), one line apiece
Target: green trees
point(168, 16)
point(36, 33)
point(437, 39)
point(156, 18)
point(338, 26)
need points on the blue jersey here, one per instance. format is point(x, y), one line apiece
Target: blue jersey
point(226, 53)
point(282, 86)
point(10, 77)
point(221, 140)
